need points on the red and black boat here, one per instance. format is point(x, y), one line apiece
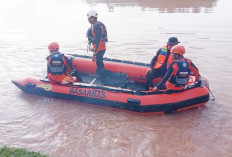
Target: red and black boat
point(123, 89)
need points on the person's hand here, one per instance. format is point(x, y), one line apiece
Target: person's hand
point(90, 48)
point(155, 89)
point(149, 71)
point(94, 58)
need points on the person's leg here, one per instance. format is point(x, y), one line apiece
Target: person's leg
point(155, 73)
point(56, 78)
point(99, 61)
point(78, 77)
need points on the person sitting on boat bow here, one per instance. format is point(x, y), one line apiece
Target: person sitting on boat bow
point(58, 68)
point(160, 62)
point(178, 73)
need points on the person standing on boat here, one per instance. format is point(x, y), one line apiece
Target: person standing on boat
point(97, 36)
point(58, 69)
point(160, 62)
point(178, 73)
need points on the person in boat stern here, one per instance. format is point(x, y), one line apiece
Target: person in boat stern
point(160, 62)
point(178, 73)
point(97, 36)
point(58, 68)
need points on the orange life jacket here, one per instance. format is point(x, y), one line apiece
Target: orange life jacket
point(103, 39)
point(162, 59)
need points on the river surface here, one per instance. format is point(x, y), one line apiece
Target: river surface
point(136, 29)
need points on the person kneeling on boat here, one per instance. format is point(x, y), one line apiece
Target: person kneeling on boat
point(178, 73)
point(58, 69)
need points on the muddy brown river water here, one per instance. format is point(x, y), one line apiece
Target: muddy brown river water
point(137, 29)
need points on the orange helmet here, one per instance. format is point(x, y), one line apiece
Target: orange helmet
point(53, 46)
point(178, 49)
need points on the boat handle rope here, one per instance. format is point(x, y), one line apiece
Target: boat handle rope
point(211, 93)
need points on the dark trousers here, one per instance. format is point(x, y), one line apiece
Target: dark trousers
point(77, 75)
point(99, 61)
point(155, 73)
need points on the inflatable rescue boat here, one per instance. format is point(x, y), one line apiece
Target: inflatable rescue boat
point(122, 89)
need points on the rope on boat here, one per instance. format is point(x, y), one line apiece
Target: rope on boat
point(213, 98)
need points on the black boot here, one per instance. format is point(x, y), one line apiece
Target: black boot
point(148, 84)
point(77, 75)
point(101, 73)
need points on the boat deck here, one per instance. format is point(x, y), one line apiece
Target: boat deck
point(114, 82)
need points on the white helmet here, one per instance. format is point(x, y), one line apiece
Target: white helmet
point(91, 13)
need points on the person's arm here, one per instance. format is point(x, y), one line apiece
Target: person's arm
point(194, 70)
point(98, 33)
point(48, 69)
point(67, 65)
point(153, 61)
point(166, 76)
point(47, 58)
